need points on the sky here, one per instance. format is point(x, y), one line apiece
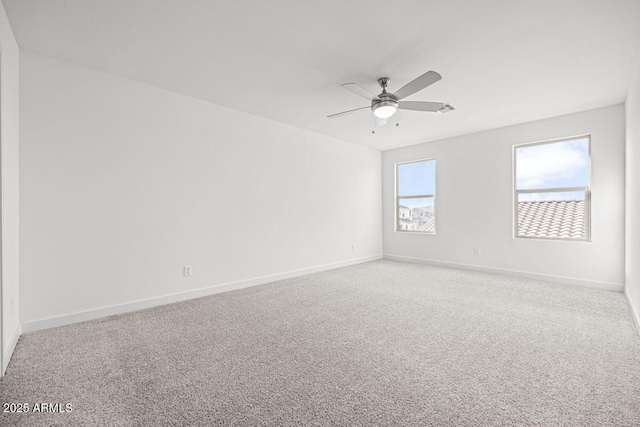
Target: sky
point(417, 178)
point(553, 165)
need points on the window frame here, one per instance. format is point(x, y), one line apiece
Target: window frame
point(396, 225)
point(586, 189)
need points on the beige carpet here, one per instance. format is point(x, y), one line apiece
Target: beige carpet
point(382, 343)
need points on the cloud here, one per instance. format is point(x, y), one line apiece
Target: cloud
point(561, 164)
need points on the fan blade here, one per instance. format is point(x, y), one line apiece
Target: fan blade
point(347, 112)
point(427, 79)
point(420, 106)
point(380, 122)
point(360, 91)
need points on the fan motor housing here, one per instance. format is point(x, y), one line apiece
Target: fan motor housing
point(386, 99)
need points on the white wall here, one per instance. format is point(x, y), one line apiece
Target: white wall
point(122, 184)
point(632, 272)
point(9, 61)
point(475, 203)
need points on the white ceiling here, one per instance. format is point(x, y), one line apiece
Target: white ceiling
point(503, 61)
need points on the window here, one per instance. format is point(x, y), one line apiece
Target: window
point(416, 196)
point(552, 195)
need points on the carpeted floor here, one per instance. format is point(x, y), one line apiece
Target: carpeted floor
point(381, 343)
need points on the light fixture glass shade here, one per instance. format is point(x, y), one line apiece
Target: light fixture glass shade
point(385, 111)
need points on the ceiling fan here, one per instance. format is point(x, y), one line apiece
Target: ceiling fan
point(386, 104)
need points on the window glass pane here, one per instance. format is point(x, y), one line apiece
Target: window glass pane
point(559, 215)
point(417, 178)
point(416, 214)
point(553, 165)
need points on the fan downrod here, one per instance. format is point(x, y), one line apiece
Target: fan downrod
point(384, 81)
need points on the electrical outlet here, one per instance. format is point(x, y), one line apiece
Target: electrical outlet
point(476, 251)
point(188, 270)
point(353, 247)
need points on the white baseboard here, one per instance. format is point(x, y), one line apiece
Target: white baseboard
point(97, 313)
point(634, 312)
point(615, 287)
point(11, 346)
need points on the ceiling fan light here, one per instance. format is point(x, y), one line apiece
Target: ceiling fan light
point(384, 111)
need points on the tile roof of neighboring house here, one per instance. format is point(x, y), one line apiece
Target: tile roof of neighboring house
point(552, 218)
point(429, 226)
